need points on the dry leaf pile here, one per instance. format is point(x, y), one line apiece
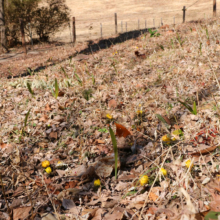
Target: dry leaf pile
point(134, 87)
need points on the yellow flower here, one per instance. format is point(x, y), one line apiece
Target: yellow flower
point(166, 138)
point(163, 171)
point(97, 182)
point(139, 112)
point(189, 164)
point(144, 180)
point(109, 116)
point(48, 170)
point(60, 164)
point(45, 163)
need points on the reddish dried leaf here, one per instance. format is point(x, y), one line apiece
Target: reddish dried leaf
point(3, 146)
point(61, 93)
point(98, 141)
point(138, 54)
point(53, 134)
point(167, 119)
point(112, 104)
point(48, 108)
point(44, 118)
point(153, 197)
point(205, 151)
point(122, 131)
point(21, 213)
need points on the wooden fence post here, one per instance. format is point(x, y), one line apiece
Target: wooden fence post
point(121, 26)
point(154, 22)
point(74, 29)
point(126, 26)
point(30, 32)
point(138, 24)
point(214, 8)
point(174, 21)
point(184, 13)
point(116, 24)
point(101, 29)
point(22, 35)
point(161, 22)
point(145, 24)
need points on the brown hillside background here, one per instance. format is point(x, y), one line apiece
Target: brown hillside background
point(89, 14)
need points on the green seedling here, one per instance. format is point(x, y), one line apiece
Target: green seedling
point(180, 40)
point(29, 88)
point(153, 33)
point(87, 94)
point(207, 33)
point(212, 215)
point(78, 79)
point(63, 70)
point(160, 117)
point(103, 130)
point(25, 123)
point(55, 94)
point(114, 143)
point(93, 80)
point(200, 47)
point(29, 71)
point(161, 46)
point(26, 118)
point(193, 109)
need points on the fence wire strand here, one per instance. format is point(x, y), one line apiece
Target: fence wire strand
point(126, 15)
point(193, 4)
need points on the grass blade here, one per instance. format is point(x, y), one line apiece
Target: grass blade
point(114, 143)
point(160, 117)
point(194, 108)
point(29, 88)
point(63, 70)
point(78, 79)
point(26, 118)
point(186, 105)
point(56, 89)
point(189, 107)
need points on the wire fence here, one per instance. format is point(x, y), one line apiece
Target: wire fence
point(102, 27)
point(91, 28)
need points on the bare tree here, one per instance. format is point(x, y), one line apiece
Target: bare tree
point(2, 27)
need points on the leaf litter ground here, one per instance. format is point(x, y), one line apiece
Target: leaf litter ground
point(139, 84)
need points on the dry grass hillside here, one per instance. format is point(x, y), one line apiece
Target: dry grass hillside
point(159, 93)
point(89, 15)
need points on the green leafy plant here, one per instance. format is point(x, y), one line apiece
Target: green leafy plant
point(153, 33)
point(179, 39)
point(160, 117)
point(103, 130)
point(25, 123)
point(212, 215)
point(114, 143)
point(161, 46)
point(56, 92)
point(172, 43)
point(93, 80)
point(200, 47)
point(193, 109)
point(207, 33)
point(87, 94)
point(29, 88)
point(26, 118)
point(63, 70)
point(78, 79)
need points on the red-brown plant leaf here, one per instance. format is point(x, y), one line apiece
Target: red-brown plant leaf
point(121, 131)
point(112, 104)
point(204, 151)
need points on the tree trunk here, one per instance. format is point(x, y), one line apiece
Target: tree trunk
point(2, 28)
